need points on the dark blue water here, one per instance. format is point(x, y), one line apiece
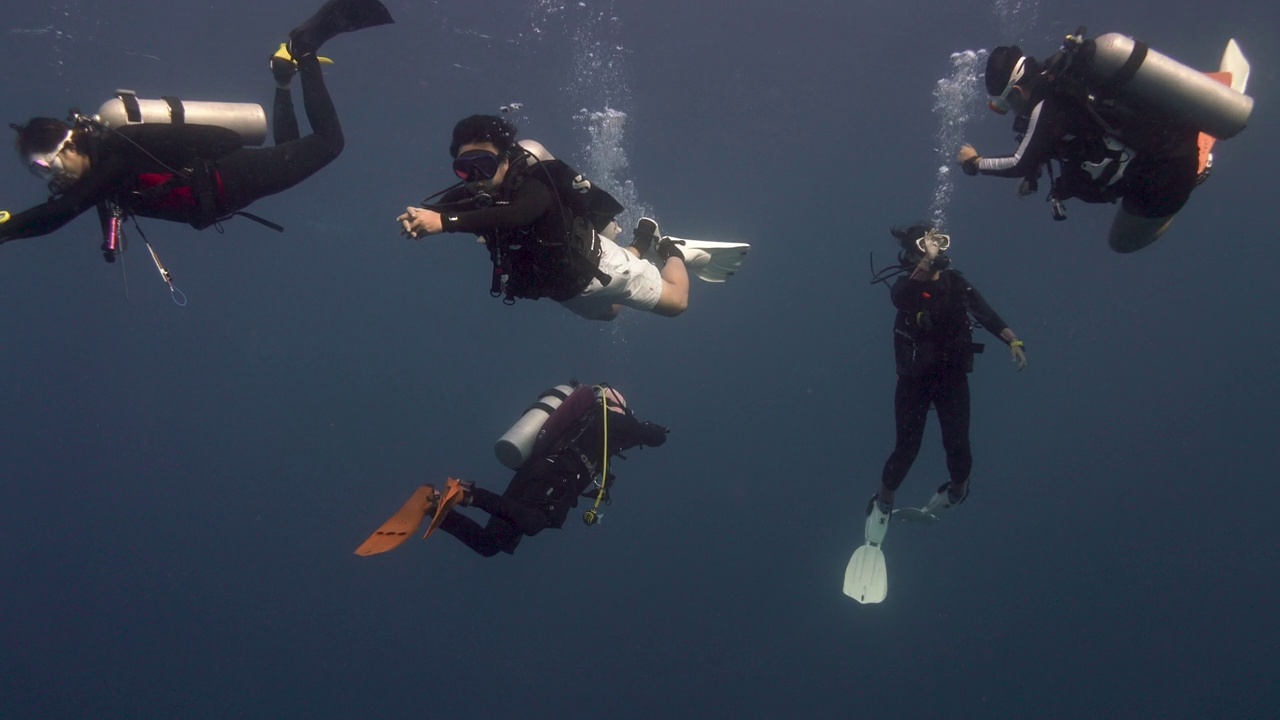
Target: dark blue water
point(181, 489)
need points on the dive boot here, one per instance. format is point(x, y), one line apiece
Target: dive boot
point(943, 501)
point(878, 515)
point(404, 523)
point(333, 18)
point(284, 67)
point(456, 492)
point(668, 248)
point(645, 236)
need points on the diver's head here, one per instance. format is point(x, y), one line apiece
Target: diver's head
point(613, 399)
point(481, 150)
point(916, 240)
point(1010, 76)
point(49, 149)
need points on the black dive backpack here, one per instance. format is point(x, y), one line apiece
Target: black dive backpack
point(527, 265)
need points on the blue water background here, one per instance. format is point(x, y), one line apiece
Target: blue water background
point(181, 489)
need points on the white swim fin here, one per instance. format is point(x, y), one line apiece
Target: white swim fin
point(710, 260)
point(866, 578)
point(1234, 62)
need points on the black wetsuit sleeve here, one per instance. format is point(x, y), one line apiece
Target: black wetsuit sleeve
point(531, 201)
point(627, 431)
point(982, 310)
point(95, 186)
point(1035, 150)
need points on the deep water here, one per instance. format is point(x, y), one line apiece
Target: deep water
point(181, 489)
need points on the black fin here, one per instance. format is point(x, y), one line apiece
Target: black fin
point(336, 17)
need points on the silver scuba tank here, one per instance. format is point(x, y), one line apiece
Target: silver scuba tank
point(516, 444)
point(248, 120)
point(1158, 81)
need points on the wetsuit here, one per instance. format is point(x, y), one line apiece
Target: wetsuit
point(133, 167)
point(530, 230)
point(549, 485)
point(933, 349)
point(1159, 166)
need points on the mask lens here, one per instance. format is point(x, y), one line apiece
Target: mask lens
point(41, 169)
point(476, 165)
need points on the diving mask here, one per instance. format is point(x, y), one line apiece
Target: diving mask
point(942, 240)
point(48, 166)
point(1000, 103)
point(476, 165)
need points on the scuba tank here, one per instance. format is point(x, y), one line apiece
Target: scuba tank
point(248, 120)
point(1146, 77)
point(516, 444)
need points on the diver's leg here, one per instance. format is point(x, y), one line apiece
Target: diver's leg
point(284, 122)
point(497, 536)
point(1130, 232)
point(254, 173)
point(910, 409)
point(1156, 192)
point(527, 519)
point(675, 288)
point(952, 402)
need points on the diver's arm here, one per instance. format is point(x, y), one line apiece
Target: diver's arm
point(528, 203)
point(1035, 149)
point(986, 315)
point(47, 217)
point(626, 431)
point(906, 293)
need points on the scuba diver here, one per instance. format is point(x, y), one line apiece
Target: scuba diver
point(1123, 122)
point(560, 449)
point(188, 172)
point(550, 232)
point(933, 350)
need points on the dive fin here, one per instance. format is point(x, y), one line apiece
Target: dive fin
point(710, 260)
point(866, 578)
point(283, 55)
point(919, 515)
point(404, 523)
point(452, 495)
point(1235, 63)
point(336, 17)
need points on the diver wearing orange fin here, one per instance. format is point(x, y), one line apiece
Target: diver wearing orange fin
point(560, 449)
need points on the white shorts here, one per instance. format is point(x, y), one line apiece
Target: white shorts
point(635, 284)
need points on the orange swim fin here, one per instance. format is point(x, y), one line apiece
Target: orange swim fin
point(452, 495)
point(404, 523)
point(1206, 141)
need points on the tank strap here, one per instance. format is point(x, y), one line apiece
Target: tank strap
point(177, 112)
point(132, 111)
point(1130, 66)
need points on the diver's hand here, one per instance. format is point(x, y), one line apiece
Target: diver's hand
point(652, 434)
point(417, 222)
point(1017, 349)
point(968, 158)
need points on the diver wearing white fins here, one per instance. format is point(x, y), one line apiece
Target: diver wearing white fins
point(555, 237)
point(1123, 122)
point(933, 350)
point(560, 449)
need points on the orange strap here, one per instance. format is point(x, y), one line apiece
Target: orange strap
point(404, 523)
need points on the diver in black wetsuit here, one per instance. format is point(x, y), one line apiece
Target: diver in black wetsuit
point(933, 349)
point(1146, 160)
point(195, 174)
point(568, 462)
